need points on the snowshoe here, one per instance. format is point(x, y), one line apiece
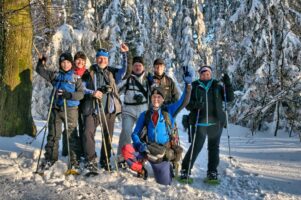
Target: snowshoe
point(212, 178)
point(184, 178)
point(75, 169)
point(187, 180)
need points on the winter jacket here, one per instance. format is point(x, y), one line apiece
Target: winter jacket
point(159, 133)
point(207, 97)
point(135, 101)
point(170, 91)
point(62, 80)
point(100, 77)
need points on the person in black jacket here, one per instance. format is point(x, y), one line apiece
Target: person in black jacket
point(160, 79)
point(207, 118)
point(100, 86)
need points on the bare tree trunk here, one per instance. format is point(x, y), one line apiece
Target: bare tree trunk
point(16, 70)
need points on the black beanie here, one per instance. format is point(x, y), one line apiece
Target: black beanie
point(158, 90)
point(66, 56)
point(81, 55)
point(138, 59)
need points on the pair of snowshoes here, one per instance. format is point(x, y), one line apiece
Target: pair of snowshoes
point(211, 179)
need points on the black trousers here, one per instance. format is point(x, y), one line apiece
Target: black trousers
point(213, 133)
point(91, 122)
point(57, 118)
point(80, 135)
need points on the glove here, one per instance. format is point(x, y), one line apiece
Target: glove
point(187, 74)
point(150, 79)
point(143, 148)
point(105, 89)
point(226, 79)
point(64, 94)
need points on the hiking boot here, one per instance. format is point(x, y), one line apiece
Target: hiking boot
point(212, 176)
point(91, 166)
point(184, 174)
point(46, 164)
point(143, 174)
point(103, 165)
point(122, 165)
point(75, 165)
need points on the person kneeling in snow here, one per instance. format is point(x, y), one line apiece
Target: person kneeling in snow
point(156, 143)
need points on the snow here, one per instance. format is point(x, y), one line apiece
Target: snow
point(262, 167)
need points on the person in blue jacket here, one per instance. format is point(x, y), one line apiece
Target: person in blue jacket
point(158, 133)
point(67, 86)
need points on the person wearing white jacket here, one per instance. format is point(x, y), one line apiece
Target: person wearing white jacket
point(136, 100)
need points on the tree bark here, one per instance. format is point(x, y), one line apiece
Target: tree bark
point(16, 69)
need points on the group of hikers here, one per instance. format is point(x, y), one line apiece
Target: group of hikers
point(83, 99)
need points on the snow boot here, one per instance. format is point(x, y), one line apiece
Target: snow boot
point(212, 178)
point(45, 165)
point(104, 165)
point(185, 177)
point(91, 168)
point(143, 173)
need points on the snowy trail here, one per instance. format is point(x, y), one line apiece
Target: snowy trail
point(263, 167)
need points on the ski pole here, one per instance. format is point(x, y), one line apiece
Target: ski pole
point(70, 170)
point(66, 128)
point(227, 123)
point(45, 127)
point(192, 144)
point(110, 139)
point(103, 136)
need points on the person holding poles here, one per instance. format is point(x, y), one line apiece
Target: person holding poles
point(207, 118)
point(69, 91)
point(101, 105)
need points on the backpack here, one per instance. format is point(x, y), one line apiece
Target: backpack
point(172, 150)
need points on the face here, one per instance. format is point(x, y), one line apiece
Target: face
point(102, 61)
point(80, 63)
point(159, 69)
point(138, 68)
point(157, 100)
point(66, 65)
point(205, 76)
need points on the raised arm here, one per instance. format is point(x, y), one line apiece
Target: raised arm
point(47, 74)
point(120, 73)
point(175, 108)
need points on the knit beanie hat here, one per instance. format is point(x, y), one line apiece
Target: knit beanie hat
point(158, 90)
point(138, 59)
point(102, 52)
point(66, 56)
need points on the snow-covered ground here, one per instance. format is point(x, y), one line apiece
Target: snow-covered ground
point(262, 167)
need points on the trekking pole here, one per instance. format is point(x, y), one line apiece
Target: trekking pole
point(227, 123)
point(103, 136)
point(110, 139)
point(69, 171)
point(45, 127)
point(192, 144)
